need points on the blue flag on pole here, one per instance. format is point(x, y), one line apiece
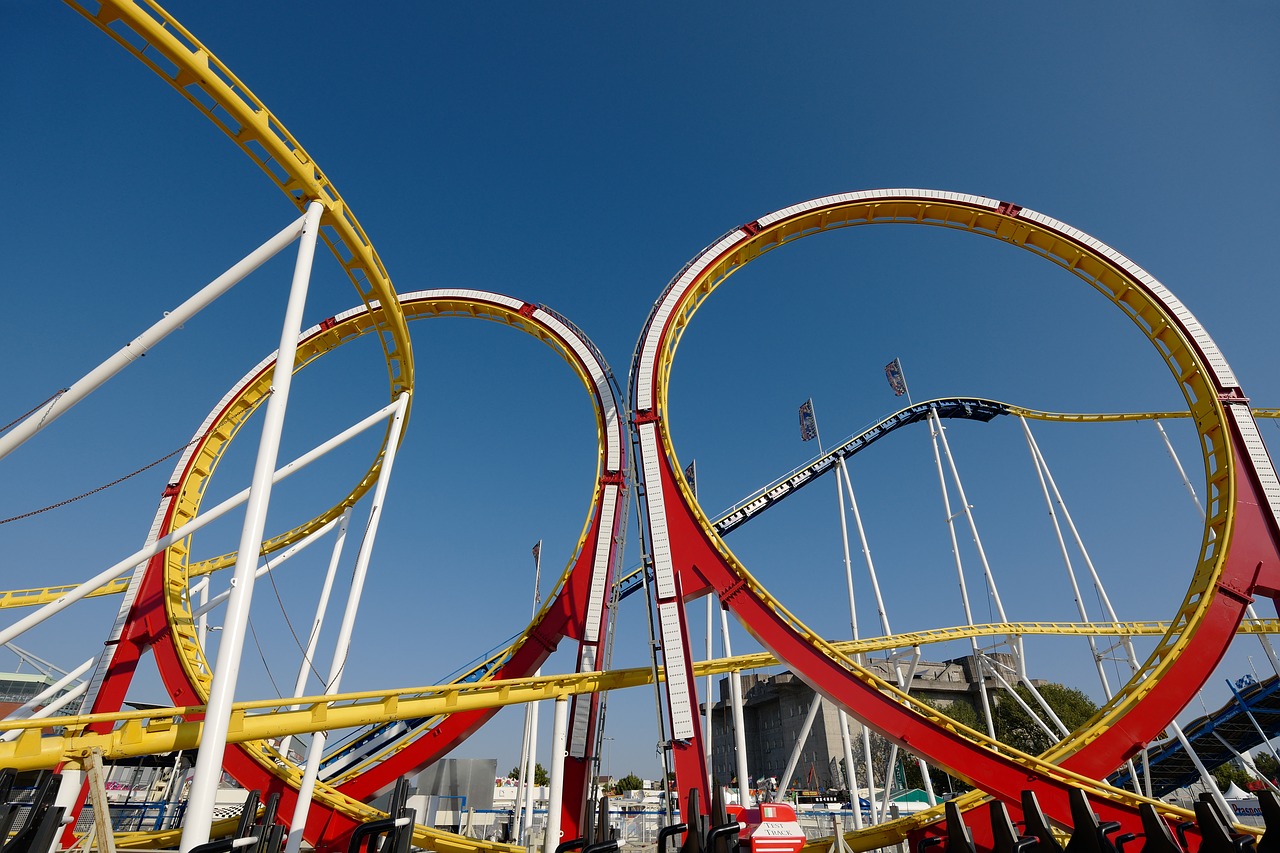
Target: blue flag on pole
point(893, 372)
point(808, 423)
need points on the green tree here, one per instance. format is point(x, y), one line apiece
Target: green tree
point(943, 783)
point(1225, 774)
point(1267, 765)
point(1013, 725)
point(630, 782)
point(1016, 728)
point(540, 774)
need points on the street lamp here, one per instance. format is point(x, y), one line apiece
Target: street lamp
point(608, 768)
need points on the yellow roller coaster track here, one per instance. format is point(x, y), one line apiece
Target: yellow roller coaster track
point(164, 730)
point(167, 729)
point(166, 47)
point(253, 390)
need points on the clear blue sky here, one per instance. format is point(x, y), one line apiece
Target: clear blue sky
point(578, 155)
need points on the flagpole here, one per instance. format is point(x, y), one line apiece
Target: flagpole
point(528, 757)
point(808, 430)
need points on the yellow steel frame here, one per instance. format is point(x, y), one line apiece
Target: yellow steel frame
point(157, 40)
point(219, 433)
point(163, 730)
point(167, 729)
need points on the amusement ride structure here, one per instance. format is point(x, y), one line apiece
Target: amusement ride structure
point(165, 593)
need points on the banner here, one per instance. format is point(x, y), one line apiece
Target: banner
point(691, 474)
point(893, 372)
point(808, 423)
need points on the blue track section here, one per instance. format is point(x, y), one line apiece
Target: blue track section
point(968, 408)
point(1171, 767)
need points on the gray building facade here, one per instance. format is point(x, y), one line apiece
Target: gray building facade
point(775, 707)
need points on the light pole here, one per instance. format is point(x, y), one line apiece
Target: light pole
point(608, 767)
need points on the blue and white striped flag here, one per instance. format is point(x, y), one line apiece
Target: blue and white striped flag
point(808, 423)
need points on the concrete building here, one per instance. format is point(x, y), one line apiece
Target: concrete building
point(17, 688)
point(775, 707)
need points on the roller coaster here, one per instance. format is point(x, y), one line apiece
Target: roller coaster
point(163, 589)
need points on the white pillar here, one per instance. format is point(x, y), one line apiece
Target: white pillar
point(739, 724)
point(851, 774)
point(322, 607)
point(798, 749)
point(68, 793)
point(531, 761)
point(315, 751)
point(1205, 776)
point(935, 428)
point(707, 734)
point(559, 745)
point(202, 622)
point(208, 773)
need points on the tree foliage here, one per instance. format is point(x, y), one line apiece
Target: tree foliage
point(540, 774)
point(1267, 765)
point(1225, 774)
point(630, 782)
point(1012, 724)
point(1016, 728)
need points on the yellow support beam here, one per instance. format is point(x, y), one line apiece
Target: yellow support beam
point(168, 729)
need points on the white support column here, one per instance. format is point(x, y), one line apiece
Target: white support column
point(1027, 709)
point(202, 623)
point(798, 749)
point(1247, 760)
point(1205, 776)
point(851, 773)
point(69, 787)
point(1186, 481)
point(1041, 468)
point(707, 729)
point(138, 347)
point(226, 671)
point(935, 426)
point(530, 761)
point(848, 564)
point(1047, 484)
point(559, 748)
point(322, 608)
point(853, 625)
point(315, 750)
point(904, 683)
point(529, 746)
point(739, 724)
point(269, 566)
point(876, 817)
point(522, 776)
point(866, 551)
point(967, 510)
